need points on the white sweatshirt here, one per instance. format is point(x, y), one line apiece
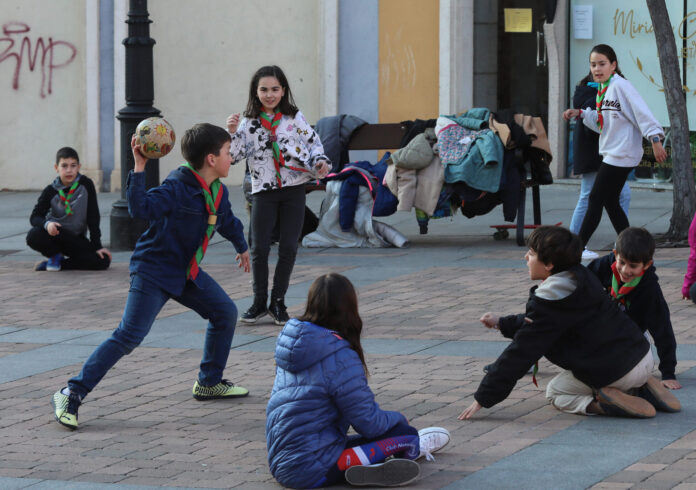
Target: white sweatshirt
point(626, 120)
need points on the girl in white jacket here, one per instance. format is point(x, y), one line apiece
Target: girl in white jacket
point(283, 153)
point(622, 119)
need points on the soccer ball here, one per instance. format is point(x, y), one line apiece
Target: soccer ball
point(155, 137)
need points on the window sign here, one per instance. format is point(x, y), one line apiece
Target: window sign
point(626, 26)
point(582, 21)
point(518, 20)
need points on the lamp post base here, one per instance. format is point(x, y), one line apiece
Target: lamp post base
point(124, 230)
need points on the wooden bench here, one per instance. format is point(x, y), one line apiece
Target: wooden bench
point(388, 137)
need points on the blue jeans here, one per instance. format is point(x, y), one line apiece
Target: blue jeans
point(581, 207)
point(145, 300)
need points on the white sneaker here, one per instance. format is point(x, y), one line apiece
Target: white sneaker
point(589, 255)
point(432, 439)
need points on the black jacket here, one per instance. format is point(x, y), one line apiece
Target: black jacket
point(648, 309)
point(335, 133)
point(48, 208)
point(586, 157)
point(584, 332)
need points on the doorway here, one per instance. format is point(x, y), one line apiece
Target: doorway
point(523, 76)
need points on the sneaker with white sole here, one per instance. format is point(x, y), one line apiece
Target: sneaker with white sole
point(55, 263)
point(40, 266)
point(255, 311)
point(392, 473)
point(589, 255)
point(432, 439)
point(224, 389)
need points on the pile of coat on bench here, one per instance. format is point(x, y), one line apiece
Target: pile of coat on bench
point(471, 162)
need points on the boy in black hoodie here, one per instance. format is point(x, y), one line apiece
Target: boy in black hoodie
point(629, 275)
point(63, 214)
point(571, 321)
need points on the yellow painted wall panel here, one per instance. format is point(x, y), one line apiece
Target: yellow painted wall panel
point(408, 59)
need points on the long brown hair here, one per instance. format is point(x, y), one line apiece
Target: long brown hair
point(332, 303)
point(287, 102)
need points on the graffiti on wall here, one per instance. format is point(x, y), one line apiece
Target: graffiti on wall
point(42, 54)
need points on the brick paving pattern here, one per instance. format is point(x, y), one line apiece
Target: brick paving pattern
point(141, 425)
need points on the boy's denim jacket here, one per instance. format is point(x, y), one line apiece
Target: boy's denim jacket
point(178, 218)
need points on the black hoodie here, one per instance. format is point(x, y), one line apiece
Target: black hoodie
point(84, 204)
point(584, 332)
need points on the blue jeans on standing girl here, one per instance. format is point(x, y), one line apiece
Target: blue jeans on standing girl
point(581, 207)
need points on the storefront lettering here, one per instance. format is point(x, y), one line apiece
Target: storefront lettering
point(629, 24)
point(688, 19)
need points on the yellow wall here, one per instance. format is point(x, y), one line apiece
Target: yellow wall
point(408, 59)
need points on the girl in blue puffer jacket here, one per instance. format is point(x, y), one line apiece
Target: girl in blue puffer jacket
point(321, 390)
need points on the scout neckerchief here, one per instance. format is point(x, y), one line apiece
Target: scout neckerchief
point(66, 199)
point(619, 292)
point(278, 159)
point(213, 196)
point(601, 91)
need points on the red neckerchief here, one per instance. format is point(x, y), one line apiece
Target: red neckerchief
point(620, 290)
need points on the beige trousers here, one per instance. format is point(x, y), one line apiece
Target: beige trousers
point(569, 394)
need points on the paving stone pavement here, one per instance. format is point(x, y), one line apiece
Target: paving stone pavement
point(141, 428)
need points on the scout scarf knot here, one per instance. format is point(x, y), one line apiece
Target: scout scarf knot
point(271, 124)
point(212, 196)
point(601, 91)
point(66, 199)
point(619, 291)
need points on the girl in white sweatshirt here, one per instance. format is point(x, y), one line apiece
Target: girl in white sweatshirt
point(622, 119)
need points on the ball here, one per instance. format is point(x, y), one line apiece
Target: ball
point(155, 137)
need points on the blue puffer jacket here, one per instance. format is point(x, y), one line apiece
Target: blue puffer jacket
point(178, 220)
point(320, 390)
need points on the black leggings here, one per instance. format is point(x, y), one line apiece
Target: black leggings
point(286, 206)
point(605, 194)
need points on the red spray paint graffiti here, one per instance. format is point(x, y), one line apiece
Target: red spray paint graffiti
point(48, 54)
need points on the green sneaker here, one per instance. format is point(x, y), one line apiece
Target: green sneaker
point(224, 389)
point(65, 409)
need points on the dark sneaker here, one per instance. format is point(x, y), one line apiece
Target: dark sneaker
point(40, 266)
point(54, 263)
point(257, 310)
point(65, 408)
point(616, 403)
point(278, 311)
point(392, 473)
point(658, 396)
point(224, 389)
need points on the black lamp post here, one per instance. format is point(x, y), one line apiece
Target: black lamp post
point(139, 97)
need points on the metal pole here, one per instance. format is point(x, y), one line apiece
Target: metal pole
point(139, 98)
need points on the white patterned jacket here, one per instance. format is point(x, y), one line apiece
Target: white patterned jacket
point(298, 142)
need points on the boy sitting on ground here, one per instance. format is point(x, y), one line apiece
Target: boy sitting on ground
point(64, 212)
point(629, 275)
point(571, 321)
